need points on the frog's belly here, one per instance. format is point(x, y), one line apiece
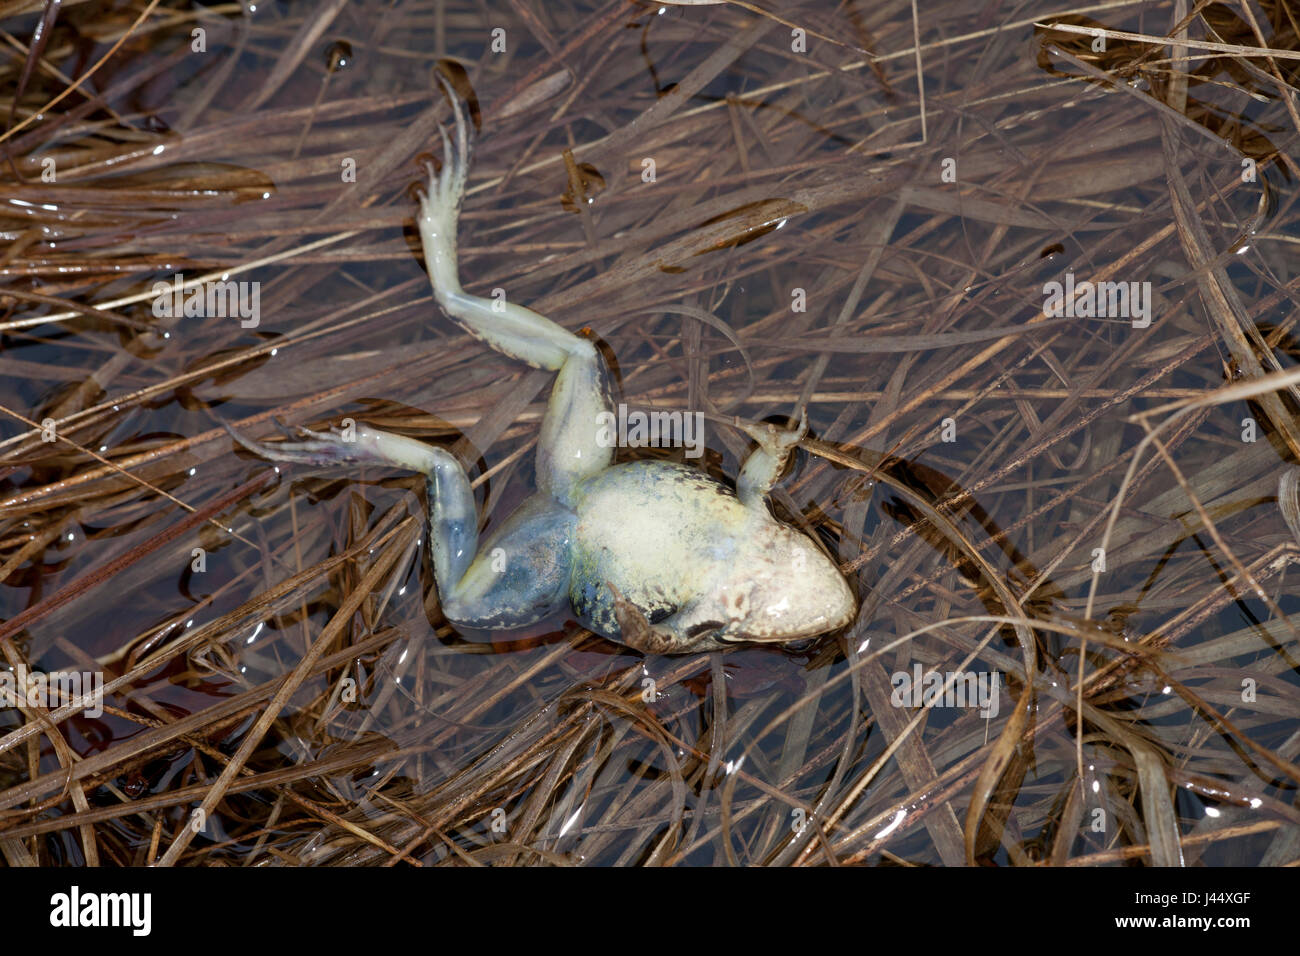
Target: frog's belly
point(658, 532)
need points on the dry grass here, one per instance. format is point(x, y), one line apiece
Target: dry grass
point(294, 702)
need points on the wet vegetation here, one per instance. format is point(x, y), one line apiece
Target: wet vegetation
point(856, 207)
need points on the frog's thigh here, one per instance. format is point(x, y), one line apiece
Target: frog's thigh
point(521, 573)
point(573, 443)
point(575, 440)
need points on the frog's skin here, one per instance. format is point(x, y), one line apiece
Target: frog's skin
point(654, 555)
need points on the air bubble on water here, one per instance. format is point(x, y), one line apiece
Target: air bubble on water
point(338, 56)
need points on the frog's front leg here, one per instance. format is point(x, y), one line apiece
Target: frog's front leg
point(764, 466)
point(522, 573)
point(569, 447)
point(672, 635)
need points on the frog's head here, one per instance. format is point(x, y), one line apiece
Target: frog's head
point(781, 588)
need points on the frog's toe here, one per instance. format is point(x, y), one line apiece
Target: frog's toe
point(775, 439)
point(446, 184)
point(800, 430)
point(449, 186)
point(463, 143)
point(312, 448)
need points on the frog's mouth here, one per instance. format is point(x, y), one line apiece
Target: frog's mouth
point(743, 631)
point(804, 637)
point(785, 638)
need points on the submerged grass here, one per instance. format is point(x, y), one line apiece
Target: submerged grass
point(857, 208)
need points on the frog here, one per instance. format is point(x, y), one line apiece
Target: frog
point(653, 554)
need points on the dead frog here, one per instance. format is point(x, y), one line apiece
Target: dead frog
point(652, 554)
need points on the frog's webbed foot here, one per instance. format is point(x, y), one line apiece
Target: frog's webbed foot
point(453, 523)
point(762, 468)
point(310, 448)
point(637, 632)
point(440, 204)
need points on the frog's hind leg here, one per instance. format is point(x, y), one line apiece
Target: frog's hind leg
point(522, 573)
point(569, 447)
point(453, 521)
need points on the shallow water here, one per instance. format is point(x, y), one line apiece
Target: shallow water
point(801, 202)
